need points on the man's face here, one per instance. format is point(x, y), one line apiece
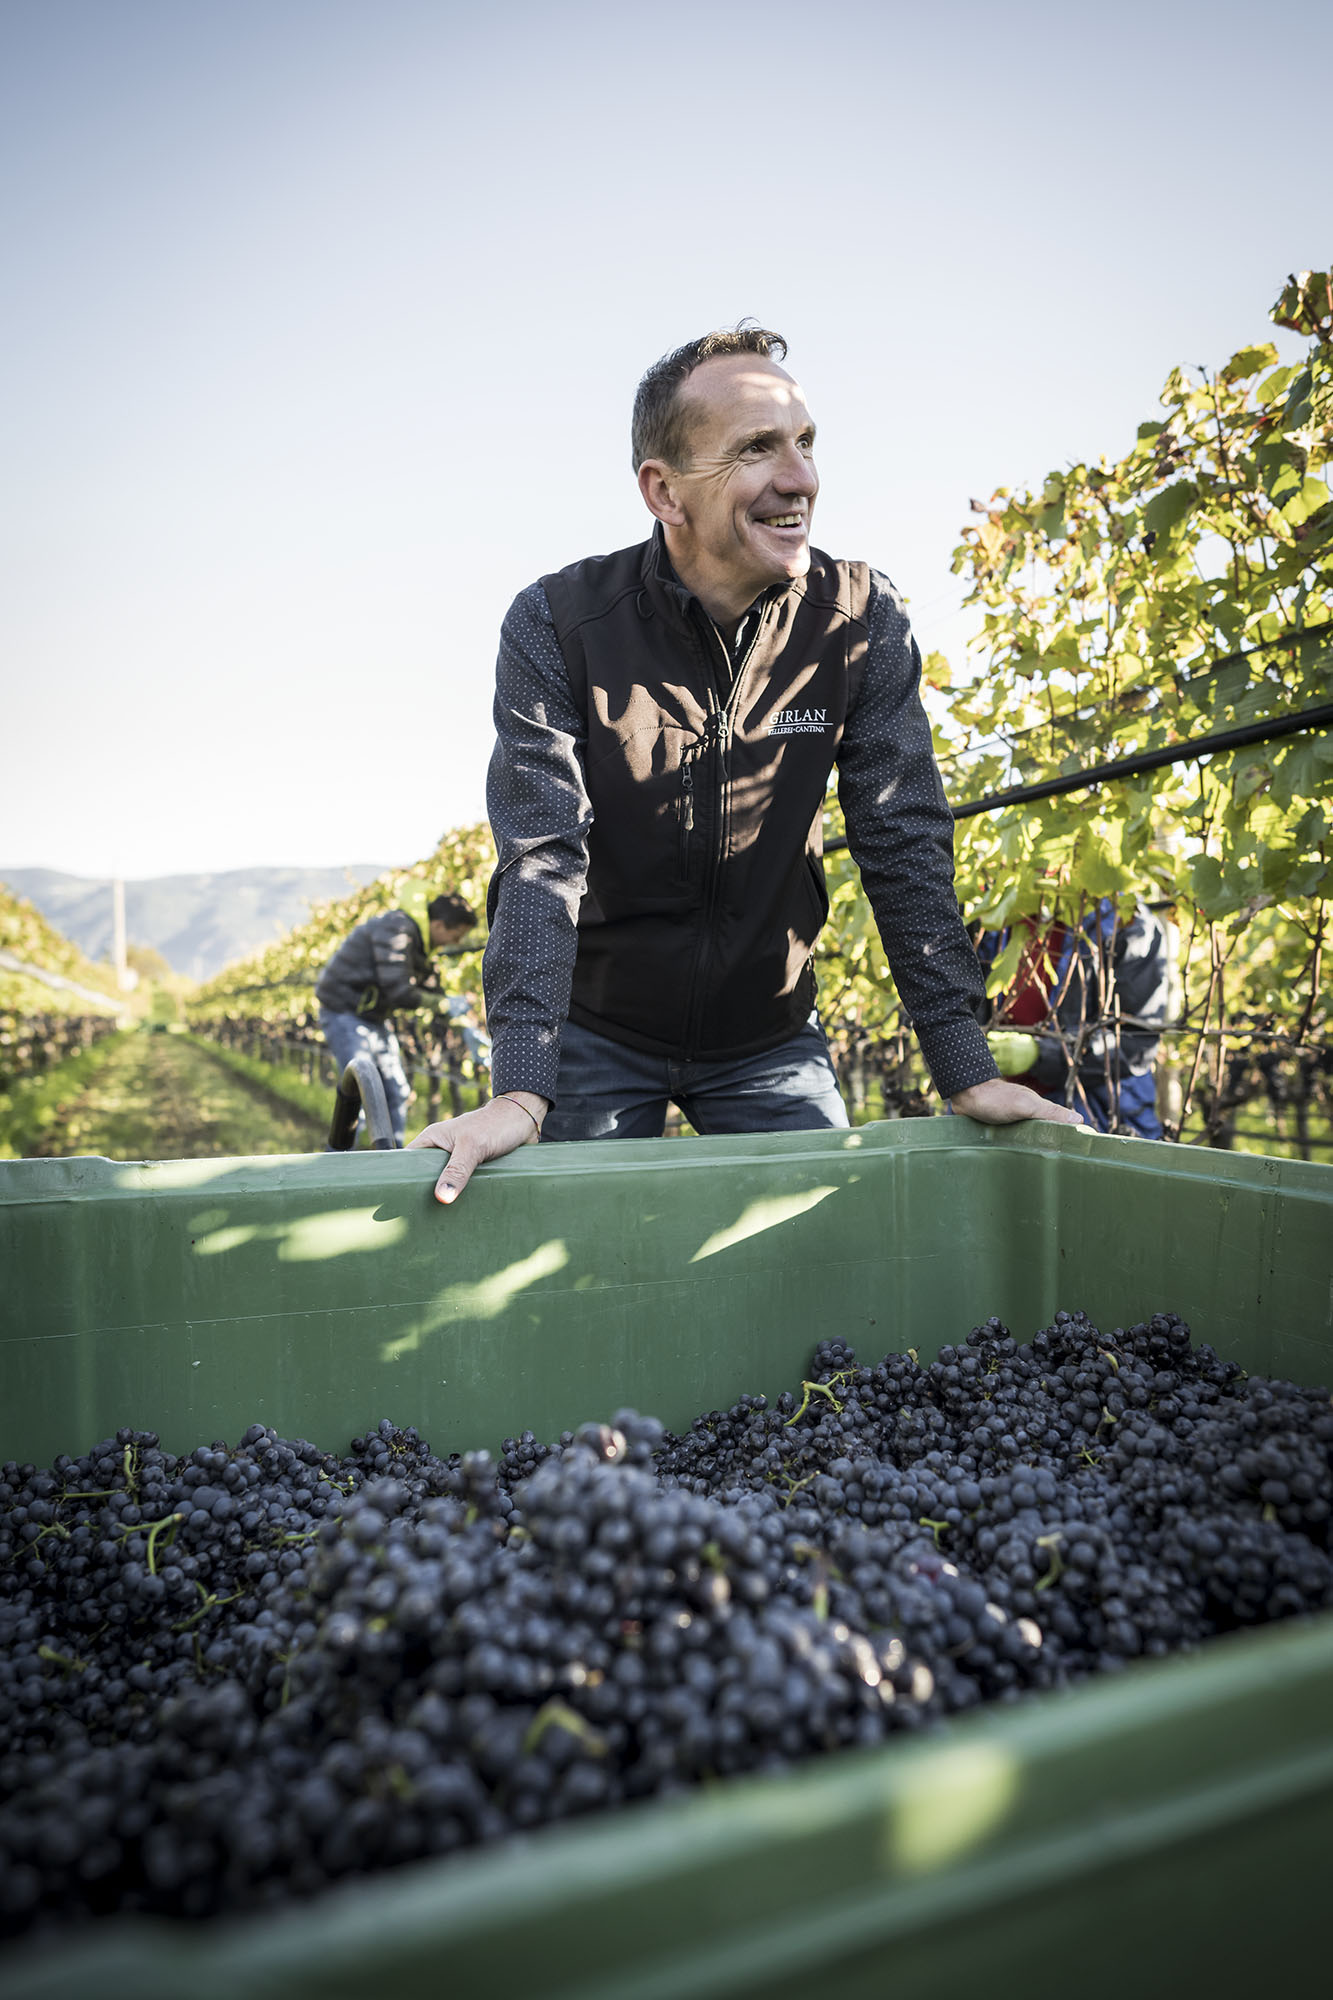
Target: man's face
point(443, 935)
point(747, 490)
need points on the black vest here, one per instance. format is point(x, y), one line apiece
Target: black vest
point(705, 885)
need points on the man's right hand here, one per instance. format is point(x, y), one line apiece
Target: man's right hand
point(488, 1133)
point(999, 1102)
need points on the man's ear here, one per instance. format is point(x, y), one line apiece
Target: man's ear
point(657, 483)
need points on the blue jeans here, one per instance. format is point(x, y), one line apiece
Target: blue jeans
point(607, 1091)
point(351, 1035)
point(1134, 1108)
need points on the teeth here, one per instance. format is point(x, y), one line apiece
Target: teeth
point(783, 521)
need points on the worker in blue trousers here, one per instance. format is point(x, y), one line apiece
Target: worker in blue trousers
point(382, 967)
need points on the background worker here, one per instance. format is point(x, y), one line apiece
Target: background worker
point(1081, 1022)
point(667, 720)
point(384, 966)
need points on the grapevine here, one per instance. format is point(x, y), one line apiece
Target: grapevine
point(265, 1007)
point(1129, 605)
point(44, 1019)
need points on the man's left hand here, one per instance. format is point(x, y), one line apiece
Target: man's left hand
point(999, 1102)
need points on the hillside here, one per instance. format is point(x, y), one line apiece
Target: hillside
point(199, 923)
point(42, 972)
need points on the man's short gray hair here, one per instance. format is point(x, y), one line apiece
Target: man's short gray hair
point(660, 428)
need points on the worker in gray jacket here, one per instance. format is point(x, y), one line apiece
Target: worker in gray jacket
point(667, 718)
point(384, 966)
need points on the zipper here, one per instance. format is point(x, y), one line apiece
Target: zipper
point(716, 737)
point(686, 809)
point(693, 754)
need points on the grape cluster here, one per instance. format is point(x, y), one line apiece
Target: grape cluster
point(243, 1675)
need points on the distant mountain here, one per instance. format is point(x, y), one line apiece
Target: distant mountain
point(199, 923)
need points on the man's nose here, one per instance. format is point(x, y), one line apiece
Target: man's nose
point(796, 472)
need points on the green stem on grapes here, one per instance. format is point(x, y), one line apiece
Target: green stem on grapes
point(794, 1487)
point(557, 1714)
point(73, 1666)
point(25, 1548)
point(168, 1521)
point(210, 1600)
point(818, 1388)
point(1051, 1543)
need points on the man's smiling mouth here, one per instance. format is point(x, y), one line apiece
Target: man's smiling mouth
point(782, 521)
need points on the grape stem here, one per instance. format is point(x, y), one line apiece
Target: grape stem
point(26, 1548)
point(71, 1666)
point(210, 1600)
point(556, 1714)
point(167, 1521)
point(819, 1388)
point(1051, 1544)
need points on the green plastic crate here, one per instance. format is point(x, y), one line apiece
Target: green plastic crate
point(1170, 1824)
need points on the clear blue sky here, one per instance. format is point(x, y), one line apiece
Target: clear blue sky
point(320, 321)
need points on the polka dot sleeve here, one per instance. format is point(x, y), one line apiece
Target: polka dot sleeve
point(900, 833)
point(540, 815)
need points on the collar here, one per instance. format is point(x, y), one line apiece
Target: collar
point(659, 569)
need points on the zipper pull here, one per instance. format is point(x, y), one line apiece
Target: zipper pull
point(687, 787)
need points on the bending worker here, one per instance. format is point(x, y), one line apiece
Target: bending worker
point(381, 967)
point(667, 721)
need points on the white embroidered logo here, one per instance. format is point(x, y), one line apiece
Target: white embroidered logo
point(799, 722)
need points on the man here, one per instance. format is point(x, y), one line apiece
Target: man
point(384, 966)
point(667, 720)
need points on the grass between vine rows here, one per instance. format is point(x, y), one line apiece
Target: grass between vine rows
point(143, 1096)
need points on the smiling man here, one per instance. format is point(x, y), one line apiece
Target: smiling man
point(667, 720)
